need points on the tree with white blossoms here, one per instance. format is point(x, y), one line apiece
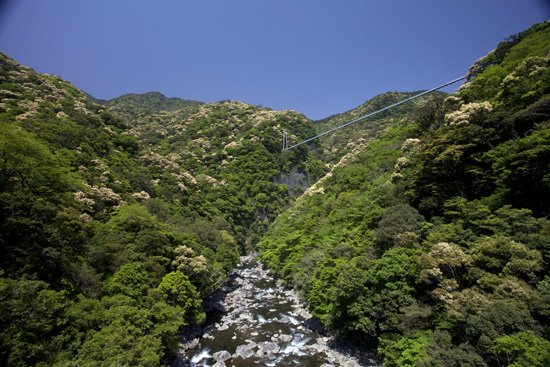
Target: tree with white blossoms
point(470, 113)
point(527, 82)
point(401, 163)
point(99, 198)
point(140, 196)
point(442, 266)
point(410, 144)
point(195, 267)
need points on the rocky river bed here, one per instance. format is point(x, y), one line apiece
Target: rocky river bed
point(254, 320)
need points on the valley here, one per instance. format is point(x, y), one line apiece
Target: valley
point(420, 237)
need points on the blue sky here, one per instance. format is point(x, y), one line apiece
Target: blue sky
point(318, 57)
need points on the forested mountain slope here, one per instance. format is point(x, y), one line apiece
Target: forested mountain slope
point(112, 227)
point(117, 217)
point(130, 106)
point(433, 243)
point(355, 137)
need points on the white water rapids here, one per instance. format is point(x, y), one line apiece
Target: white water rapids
point(265, 324)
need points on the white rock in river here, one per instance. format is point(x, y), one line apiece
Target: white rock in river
point(244, 351)
point(222, 356)
point(207, 336)
point(303, 313)
point(193, 344)
point(285, 338)
point(269, 347)
point(318, 347)
point(252, 345)
point(285, 320)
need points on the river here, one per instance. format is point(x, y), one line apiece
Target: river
point(260, 322)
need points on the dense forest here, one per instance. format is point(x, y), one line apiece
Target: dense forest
point(349, 141)
point(117, 217)
point(425, 231)
point(433, 243)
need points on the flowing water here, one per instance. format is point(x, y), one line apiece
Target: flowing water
point(264, 324)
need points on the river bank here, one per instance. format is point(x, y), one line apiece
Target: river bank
point(253, 319)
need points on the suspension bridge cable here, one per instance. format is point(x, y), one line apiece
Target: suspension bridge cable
point(376, 112)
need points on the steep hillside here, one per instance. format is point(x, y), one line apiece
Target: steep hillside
point(230, 152)
point(433, 243)
point(357, 136)
point(430, 239)
point(112, 228)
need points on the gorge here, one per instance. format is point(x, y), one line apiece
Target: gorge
point(259, 321)
point(420, 237)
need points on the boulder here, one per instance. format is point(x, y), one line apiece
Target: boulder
point(303, 313)
point(252, 345)
point(285, 320)
point(246, 317)
point(221, 356)
point(318, 347)
point(269, 347)
point(193, 344)
point(244, 351)
point(236, 313)
point(285, 338)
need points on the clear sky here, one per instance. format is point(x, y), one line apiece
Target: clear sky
point(318, 57)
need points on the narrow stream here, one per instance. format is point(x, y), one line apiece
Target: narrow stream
point(262, 323)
